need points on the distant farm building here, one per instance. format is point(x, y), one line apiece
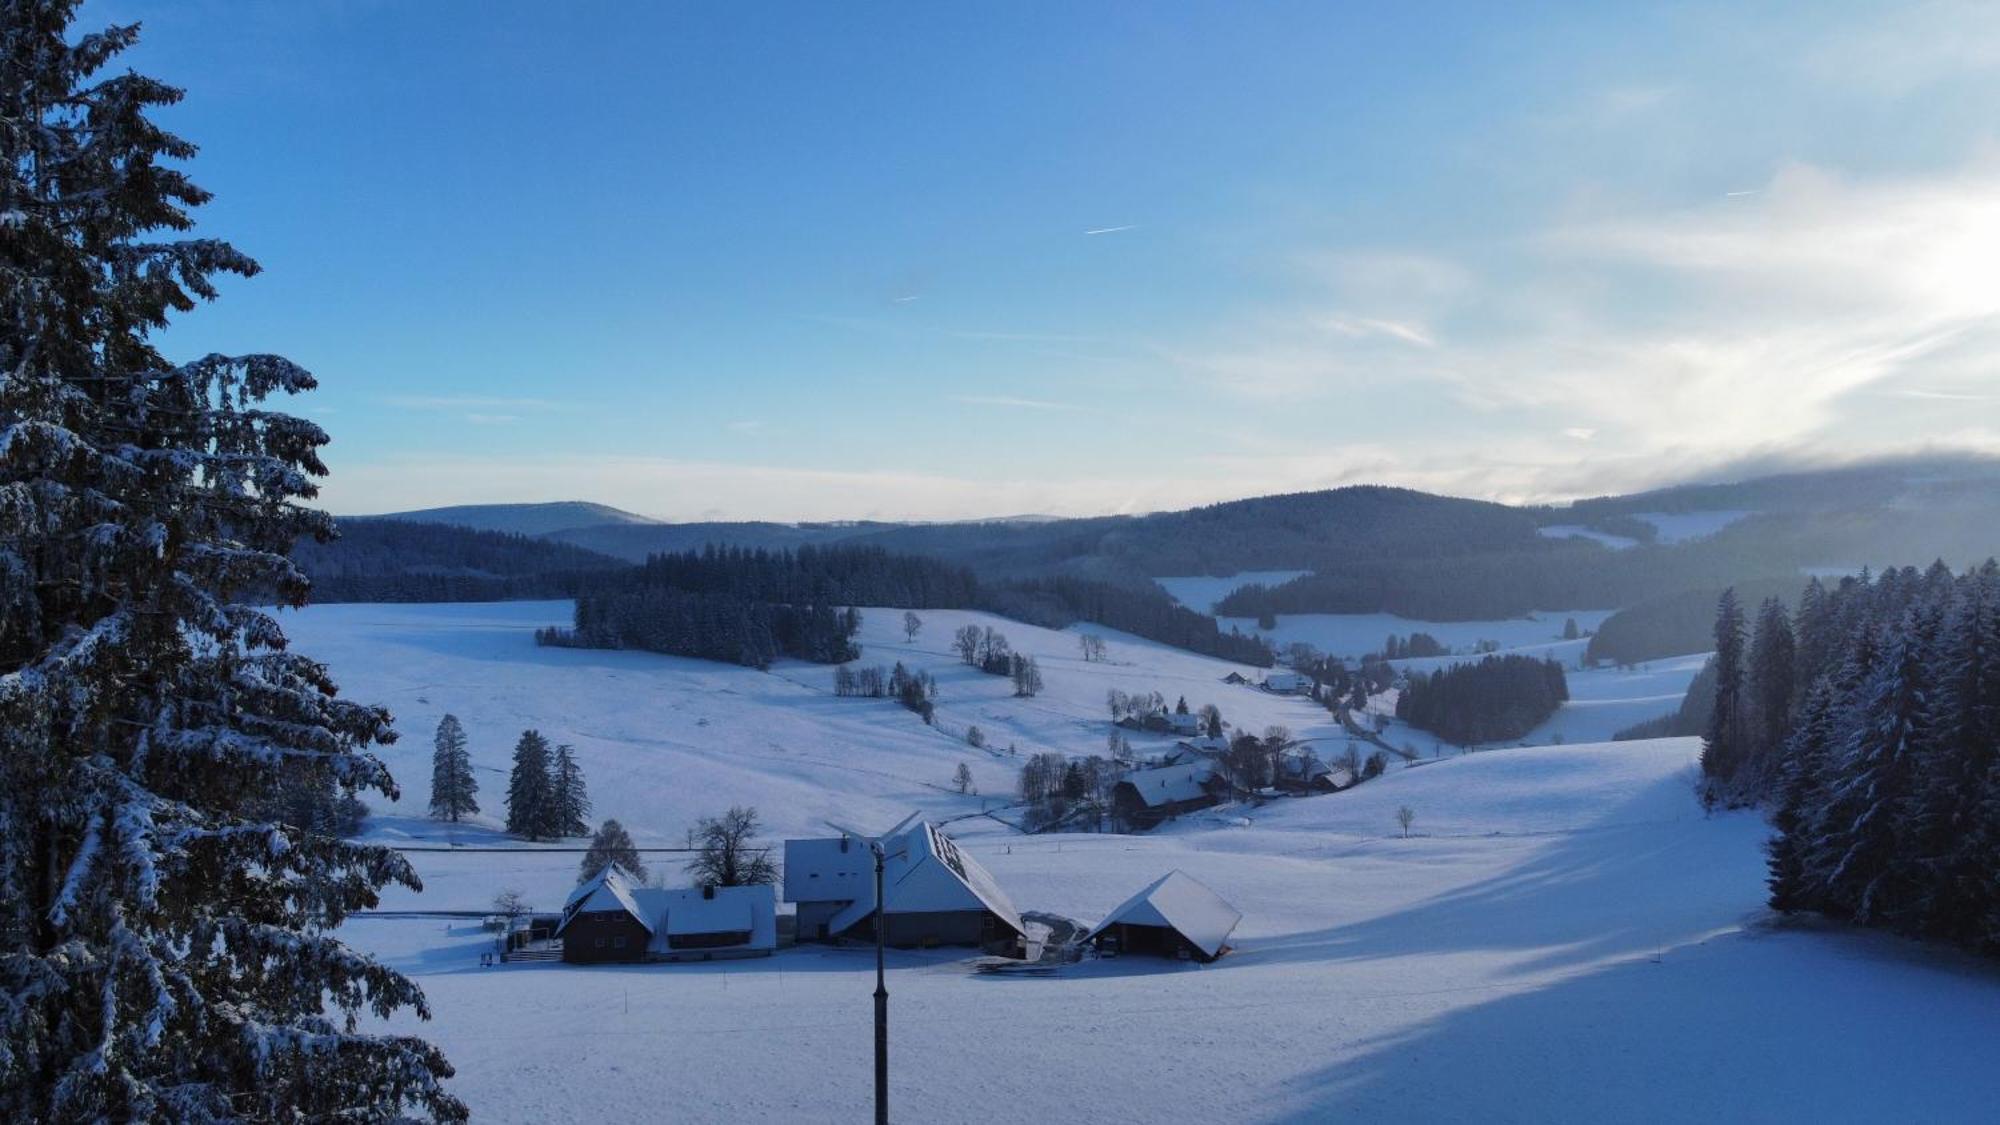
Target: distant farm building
point(1177, 916)
point(935, 894)
point(1287, 683)
point(1304, 772)
point(1184, 723)
point(610, 918)
point(1144, 798)
point(1236, 678)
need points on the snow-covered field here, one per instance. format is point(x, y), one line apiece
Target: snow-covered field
point(1200, 592)
point(1354, 635)
point(1680, 527)
point(665, 740)
point(1564, 936)
point(1578, 531)
point(1602, 700)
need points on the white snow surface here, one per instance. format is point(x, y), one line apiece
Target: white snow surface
point(1183, 903)
point(1578, 531)
point(1680, 527)
point(1354, 635)
point(1200, 592)
point(1564, 936)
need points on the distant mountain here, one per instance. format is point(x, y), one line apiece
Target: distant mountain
point(1372, 548)
point(394, 560)
point(522, 519)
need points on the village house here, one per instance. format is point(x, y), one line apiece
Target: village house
point(1177, 916)
point(1184, 723)
point(1287, 683)
point(610, 917)
point(935, 894)
point(1144, 798)
point(1302, 771)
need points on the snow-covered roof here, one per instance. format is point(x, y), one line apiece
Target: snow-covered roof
point(925, 872)
point(1172, 784)
point(687, 911)
point(678, 912)
point(729, 910)
point(1183, 904)
point(608, 890)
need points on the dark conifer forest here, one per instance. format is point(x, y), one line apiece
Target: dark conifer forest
point(1870, 725)
point(1496, 699)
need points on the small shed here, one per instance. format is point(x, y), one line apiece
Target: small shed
point(1177, 916)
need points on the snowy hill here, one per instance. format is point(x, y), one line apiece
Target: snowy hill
point(522, 519)
point(1564, 936)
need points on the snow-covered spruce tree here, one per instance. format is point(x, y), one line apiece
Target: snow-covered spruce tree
point(611, 844)
point(1722, 749)
point(569, 801)
point(452, 783)
point(1801, 777)
point(1768, 680)
point(1954, 831)
point(530, 798)
point(1863, 840)
point(165, 952)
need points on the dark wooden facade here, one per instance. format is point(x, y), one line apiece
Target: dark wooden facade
point(604, 935)
point(1155, 941)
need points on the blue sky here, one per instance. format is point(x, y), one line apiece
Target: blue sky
point(806, 261)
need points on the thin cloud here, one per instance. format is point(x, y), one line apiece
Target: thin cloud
point(1112, 230)
point(479, 419)
point(1014, 403)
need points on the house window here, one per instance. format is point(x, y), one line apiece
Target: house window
point(600, 943)
point(618, 942)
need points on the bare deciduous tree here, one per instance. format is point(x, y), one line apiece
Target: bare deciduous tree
point(728, 857)
point(911, 623)
point(1404, 816)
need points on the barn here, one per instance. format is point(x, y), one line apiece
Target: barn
point(610, 918)
point(1177, 916)
point(935, 894)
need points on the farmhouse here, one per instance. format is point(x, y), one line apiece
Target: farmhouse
point(935, 894)
point(1177, 916)
point(1286, 683)
point(610, 918)
point(1144, 798)
point(1302, 771)
point(1184, 723)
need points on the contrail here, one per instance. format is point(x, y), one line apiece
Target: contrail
point(1732, 194)
point(1113, 230)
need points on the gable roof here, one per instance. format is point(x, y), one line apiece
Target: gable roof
point(608, 890)
point(1173, 784)
point(687, 910)
point(1181, 903)
point(925, 872)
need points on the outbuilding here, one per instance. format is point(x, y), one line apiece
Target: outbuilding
point(1177, 916)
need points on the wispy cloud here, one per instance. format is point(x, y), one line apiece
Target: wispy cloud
point(1014, 403)
point(1112, 230)
point(481, 419)
point(745, 426)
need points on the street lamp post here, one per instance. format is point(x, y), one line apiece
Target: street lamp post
point(878, 848)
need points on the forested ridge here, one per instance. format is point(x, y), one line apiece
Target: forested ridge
point(386, 560)
point(753, 606)
point(1870, 725)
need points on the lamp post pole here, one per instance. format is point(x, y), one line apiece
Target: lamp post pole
point(881, 999)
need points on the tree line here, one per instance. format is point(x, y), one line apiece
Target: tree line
point(1870, 725)
point(1494, 700)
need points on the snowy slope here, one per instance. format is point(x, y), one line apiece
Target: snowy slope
point(1564, 937)
point(1353, 635)
point(665, 740)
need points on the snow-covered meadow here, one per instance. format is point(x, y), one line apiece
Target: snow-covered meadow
point(1564, 936)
